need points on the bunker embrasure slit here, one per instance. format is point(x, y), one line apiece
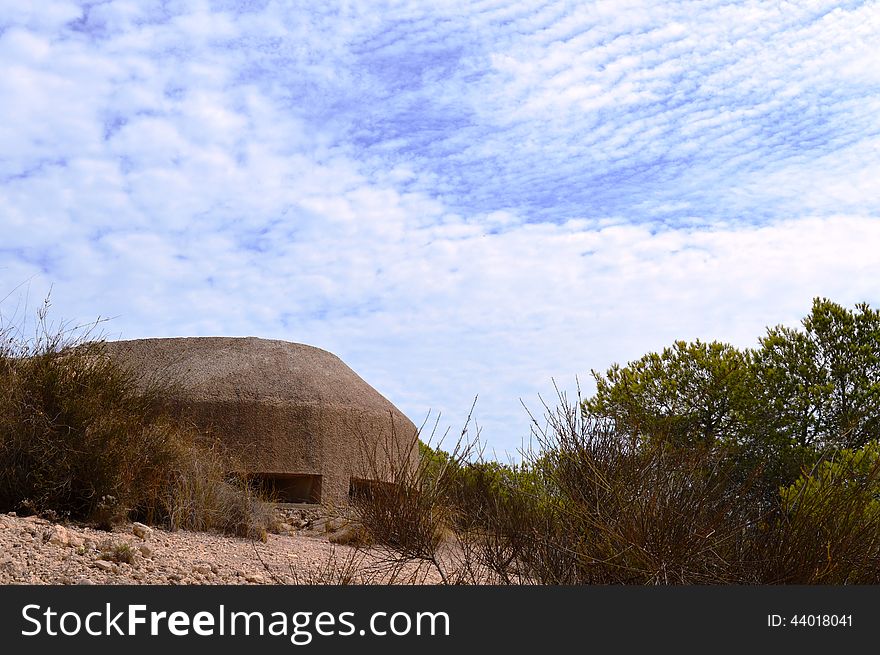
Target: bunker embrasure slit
point(289, 487)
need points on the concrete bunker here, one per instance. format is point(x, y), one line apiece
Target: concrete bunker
point(300, 423)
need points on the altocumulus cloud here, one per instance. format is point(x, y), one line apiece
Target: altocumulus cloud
point(455, 197)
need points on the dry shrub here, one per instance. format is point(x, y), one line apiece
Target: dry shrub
point(348, 569)
point(647, 514)
point(203, 496)
point(76, 437)
point(405, 509)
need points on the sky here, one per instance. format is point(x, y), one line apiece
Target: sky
point(459, 199)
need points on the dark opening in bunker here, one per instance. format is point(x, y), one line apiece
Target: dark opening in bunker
point(361, 489)
point(289, 487)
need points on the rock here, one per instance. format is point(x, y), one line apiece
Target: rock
point(103, 565)
point(74, 540)
point(255, 578)
point(145, 551)
point(57, 536)
point(141, 530)
point(202, 569)
point(352, 534)
point(84, 581)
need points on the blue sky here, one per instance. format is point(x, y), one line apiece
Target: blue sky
point(457, 198)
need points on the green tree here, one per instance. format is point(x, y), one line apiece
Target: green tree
point(777, 408)
point(690, 393)
point(822, 383)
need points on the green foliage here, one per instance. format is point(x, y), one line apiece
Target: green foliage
point(433, 460)
point(829, 527)
point(482, 488)
point(119, 553)
point(854, 474)
point(691, 393)
point(778, 406)
point(823, 383)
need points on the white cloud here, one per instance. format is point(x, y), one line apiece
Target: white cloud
point(456, 199)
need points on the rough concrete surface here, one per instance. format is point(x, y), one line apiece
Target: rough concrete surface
point(282, 408)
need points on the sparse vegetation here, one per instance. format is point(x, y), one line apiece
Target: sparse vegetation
point(119, 553)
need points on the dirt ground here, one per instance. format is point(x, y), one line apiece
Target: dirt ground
point(34, 550)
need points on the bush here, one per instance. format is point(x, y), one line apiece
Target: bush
point(590, 506)
point(828, 531)
point(201, 495)
point(406, 512)
point(651, 513)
